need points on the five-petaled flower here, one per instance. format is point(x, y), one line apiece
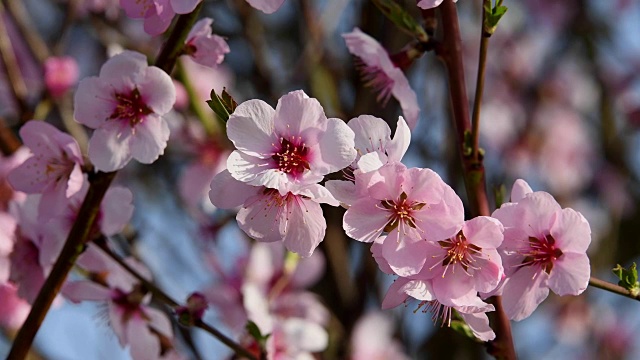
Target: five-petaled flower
point(125, 105)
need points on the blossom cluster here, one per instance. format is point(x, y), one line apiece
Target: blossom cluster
point(413, 219)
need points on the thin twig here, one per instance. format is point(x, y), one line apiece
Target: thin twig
point(616, 289)
point(12, 69)
point(475, 123)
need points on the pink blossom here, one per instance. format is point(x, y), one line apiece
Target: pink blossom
point(125, 105)
point(544, 248)
point(410, 205)
point(372, 339)
point(7, 164)
point(60, 74)
point(53, 170)
point(267, 215)
point(374, 148)
point(157, 14)
point(380, 73)
point(469, 260)
point(290, 147)
point(266, 6)
point(7, 230)
point(204, 47)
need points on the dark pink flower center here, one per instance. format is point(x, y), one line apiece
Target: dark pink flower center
point(459, 251)
point(130, 107)
point(541, 252)
point(401, 211)
point(292, 157)
point(130, 302)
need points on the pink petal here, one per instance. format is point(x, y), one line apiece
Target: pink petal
point(364, 221)
point(184, 6)
point(405, 95)
point(149, 139)
point(523, 292)
point(570, 274)
point(479, 325)
point(210, 50)
point(266, 6)
point(116, 210)
point(371, 133)
point(109, 147)
point(159, 321)
point(429, 4)
point(93, 102)
point(571, 231)
point(376, 251)
point(303, 226)
point(343, 191)
point(143, 343)
point(228, 193)
point(157, 90)
point(419, 289)
point(400, 142)
point(336, 148)
point(251, 128)
point(260, 219)
point(520, 190)
point(118, 70)
point(299, 115)
point(484, 232)
point(405, 256)
point(396, 294)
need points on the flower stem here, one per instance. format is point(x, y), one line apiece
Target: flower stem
point(616, 289)
point(79, 235)
point(482, 60)
point(165, 298)
point(473, 169)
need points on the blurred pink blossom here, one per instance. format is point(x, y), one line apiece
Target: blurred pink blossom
point(60, 74)
point(266, 6)
point(204, 47)
point(380, 73)
point(372, 339)
point(157, 14)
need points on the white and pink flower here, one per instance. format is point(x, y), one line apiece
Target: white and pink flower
point(157, 14)
point(290, 147)
point(125, 105)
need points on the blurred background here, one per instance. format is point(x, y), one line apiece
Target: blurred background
point(561, 109)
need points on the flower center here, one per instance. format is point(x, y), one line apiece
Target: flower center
point(542, 252)
point(401, 212)
point(130, 107)
point(292, 157)
point(459, 251)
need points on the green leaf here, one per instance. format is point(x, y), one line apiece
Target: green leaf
point(492, 16)
point(461, 327)
point(628, 278)
point(255, 333)
point(394, 12)
point(222, 105)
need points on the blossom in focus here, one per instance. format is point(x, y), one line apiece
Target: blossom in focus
point(374, 147)
point(544, 248)
point(125, 105)
point(53, 170)
point(267, 215)
point(60, 74)
point(410, 205)
point(266, 6)
point(380, 73)
point(204, 47)
point(157, 14)
point(290, 147)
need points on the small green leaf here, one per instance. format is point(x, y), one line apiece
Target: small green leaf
point(222, 105)
point(461, 327)
point(628, 278)
point(468, 147)
point(500, 194)
point(255, 333)
point(394, 12)
point(492, 15)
